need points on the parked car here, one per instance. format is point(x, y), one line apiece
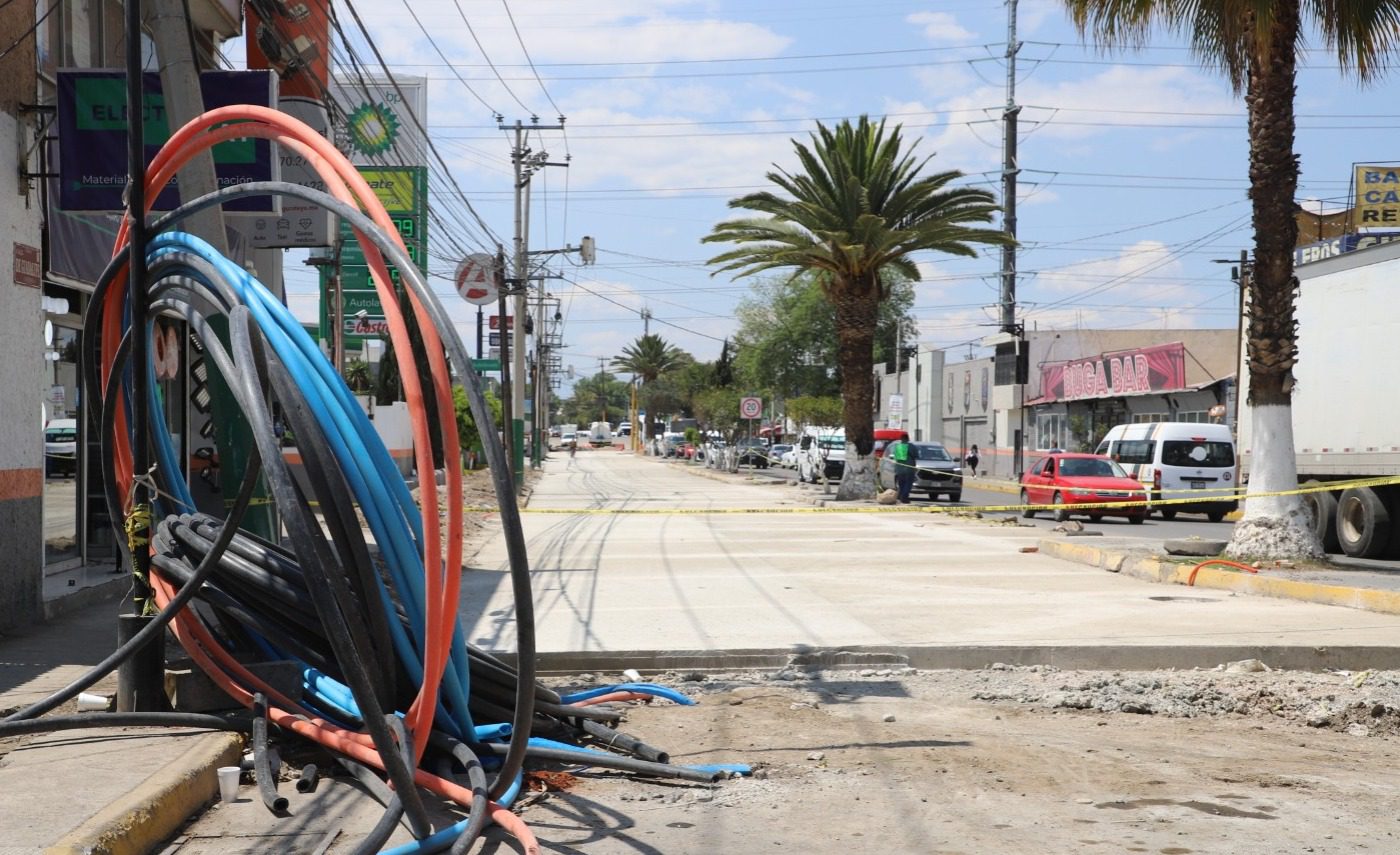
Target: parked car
point(1066, 480)
point(777, 452)
point(61, 447)
point(936, 472)
point(1176, 459)
point(713, 453)
point(752, 452)
point(568, 439)
point(821, 454)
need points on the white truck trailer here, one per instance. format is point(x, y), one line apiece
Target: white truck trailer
point(1345, 426)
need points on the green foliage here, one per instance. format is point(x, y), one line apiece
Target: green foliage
point(787, 335)
point(853, 216)
point(358, 376)
point(718, 410)
point(649, 357)
point(692, 435)
point(467, 432)
point(601, 397)
point(821, 410)
point(722, 372)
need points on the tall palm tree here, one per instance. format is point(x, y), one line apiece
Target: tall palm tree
point(1255, 43)
point(856, 213)
point(649, 357)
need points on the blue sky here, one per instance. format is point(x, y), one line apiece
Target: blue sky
point(1133, 163)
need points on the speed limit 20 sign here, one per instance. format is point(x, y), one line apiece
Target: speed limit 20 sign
point(750, 408)
point(476, 278)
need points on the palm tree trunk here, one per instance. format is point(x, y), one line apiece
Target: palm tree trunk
point(857, 309)
point(1273, 526)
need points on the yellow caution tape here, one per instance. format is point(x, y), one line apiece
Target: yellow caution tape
point(1330, 487)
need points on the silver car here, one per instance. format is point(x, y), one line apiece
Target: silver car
point(935, 473)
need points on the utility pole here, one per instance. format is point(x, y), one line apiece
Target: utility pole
point(1008, 175)
point(525, 163)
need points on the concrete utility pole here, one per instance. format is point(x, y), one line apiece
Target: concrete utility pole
point(525, 163)
point(1009, 170)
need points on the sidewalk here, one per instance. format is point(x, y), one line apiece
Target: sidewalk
point(100, 790)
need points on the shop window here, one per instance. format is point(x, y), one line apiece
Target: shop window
point(1198, 416)
point(1050, 431)
point(1147, 418)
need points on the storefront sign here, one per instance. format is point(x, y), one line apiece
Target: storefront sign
point(1377, 203)
point(1339, 245)
point(1161, 368)
point(92, 137)
point(385, 119)
point(28, 269)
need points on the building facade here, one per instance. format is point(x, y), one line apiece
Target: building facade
point(1081, 383)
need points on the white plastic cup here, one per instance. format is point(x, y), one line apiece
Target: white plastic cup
point(89, 702)
point(228, 783)
point(632, 675)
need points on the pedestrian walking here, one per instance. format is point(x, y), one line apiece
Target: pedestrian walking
point(973, 458)
point(902, 454)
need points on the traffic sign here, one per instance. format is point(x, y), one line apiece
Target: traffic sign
point(476, 278)
point(750, 408)
point(495, 321)
point(486, 364)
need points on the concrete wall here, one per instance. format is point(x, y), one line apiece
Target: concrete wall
point(920, 384)
point(21, 427)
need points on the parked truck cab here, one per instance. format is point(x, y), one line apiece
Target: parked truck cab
point(1178, 461)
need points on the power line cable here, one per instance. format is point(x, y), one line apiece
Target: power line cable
point(506, 5)
point(485, 56)
point(429, 36)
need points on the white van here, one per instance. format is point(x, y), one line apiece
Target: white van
point(1174, 459)
point(821, 453)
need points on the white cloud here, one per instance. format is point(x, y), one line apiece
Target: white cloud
point(941, 27)
point(1076, 110)
point(1143, 258)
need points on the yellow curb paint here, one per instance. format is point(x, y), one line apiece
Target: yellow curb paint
point(156, 808)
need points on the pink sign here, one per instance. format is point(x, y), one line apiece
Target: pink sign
point(1160, 368)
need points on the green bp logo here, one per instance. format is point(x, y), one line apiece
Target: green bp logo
point(373, 129)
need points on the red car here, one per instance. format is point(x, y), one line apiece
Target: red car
point(1066, 480)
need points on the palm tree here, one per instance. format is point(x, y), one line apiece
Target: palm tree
point(855, 214)
point(1255, 44)
point(649, 357)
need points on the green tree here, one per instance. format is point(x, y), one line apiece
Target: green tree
point(722, 372)
point(358, 376)
point(786, 340)
point(1256, 44)
point(855, 214)
point(819, 410)
point(467, 431)
point(601, 397)
point(649, 357)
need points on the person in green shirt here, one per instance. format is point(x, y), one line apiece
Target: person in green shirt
point(902, 453)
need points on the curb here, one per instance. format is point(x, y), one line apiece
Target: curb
point(1152, 568)
point(1126, 657)
point(1012, 487)
point(157, 807)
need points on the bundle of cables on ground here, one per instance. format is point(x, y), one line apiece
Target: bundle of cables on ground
point(388, 683)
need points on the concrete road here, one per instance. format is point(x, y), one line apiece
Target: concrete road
point(689, 566)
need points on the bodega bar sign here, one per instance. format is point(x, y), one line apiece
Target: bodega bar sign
point(1161, 368)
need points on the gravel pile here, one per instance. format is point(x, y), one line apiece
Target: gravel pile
point(1365, 703)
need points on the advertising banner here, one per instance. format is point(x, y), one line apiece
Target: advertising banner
point(1377, 202)
point(403, 191)
point(1161, 368)
point(300, 223)
point(92, 137)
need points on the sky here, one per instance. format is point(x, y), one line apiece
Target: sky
point(1133, 163)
